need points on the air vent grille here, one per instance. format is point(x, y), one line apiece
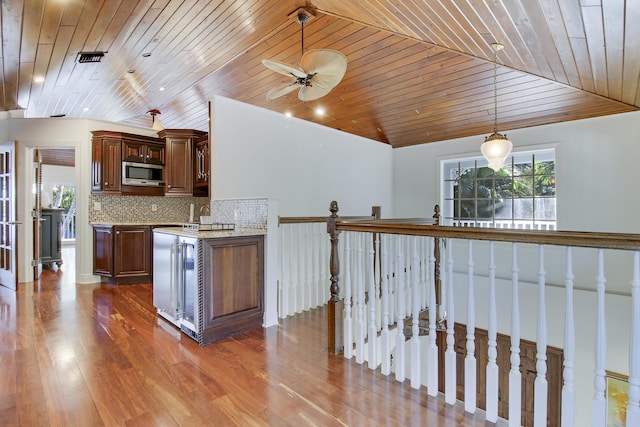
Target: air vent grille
point(84, 57)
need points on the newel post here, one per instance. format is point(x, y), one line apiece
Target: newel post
point(336, 305)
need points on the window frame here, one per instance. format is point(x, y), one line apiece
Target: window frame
point(461, 162)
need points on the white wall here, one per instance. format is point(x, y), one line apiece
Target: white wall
point(303, 165)
point(59, 133)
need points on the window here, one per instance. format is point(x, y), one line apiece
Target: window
point(520, 195)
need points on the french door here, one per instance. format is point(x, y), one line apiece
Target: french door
point(8, 223)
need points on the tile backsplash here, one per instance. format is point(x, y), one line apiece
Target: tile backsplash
point(139, 209)
point(244, 213)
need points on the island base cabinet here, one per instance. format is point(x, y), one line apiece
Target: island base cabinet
point(233, 286)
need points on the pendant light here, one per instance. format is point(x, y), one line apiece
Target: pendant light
point(496, 147)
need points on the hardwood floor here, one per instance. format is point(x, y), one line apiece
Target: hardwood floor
point(97, 355)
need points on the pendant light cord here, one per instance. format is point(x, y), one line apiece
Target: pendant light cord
point(495, 91)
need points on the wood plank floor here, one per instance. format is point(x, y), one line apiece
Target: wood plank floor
point(97, 355)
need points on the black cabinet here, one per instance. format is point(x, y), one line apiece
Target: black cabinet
point(51, 241)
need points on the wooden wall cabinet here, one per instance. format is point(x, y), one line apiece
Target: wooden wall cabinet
point(122, 253)
point(106, 163)
point(150, 152)
point(109, 149)
point(233, 286)
point(201, 170)
point(179, 162)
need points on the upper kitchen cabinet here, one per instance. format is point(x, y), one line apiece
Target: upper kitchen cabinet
point(201, 177)
point(180, 164)
point(106, 162)
point(143, 152)
point(110, 149)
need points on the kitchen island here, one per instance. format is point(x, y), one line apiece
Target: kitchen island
point(209, 284)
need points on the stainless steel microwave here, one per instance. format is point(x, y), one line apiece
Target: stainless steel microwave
point(142, 174)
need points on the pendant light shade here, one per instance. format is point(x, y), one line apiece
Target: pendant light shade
point(496, 147)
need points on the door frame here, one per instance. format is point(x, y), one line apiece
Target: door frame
point(11, 276)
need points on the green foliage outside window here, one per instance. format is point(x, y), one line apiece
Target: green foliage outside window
point(517, 192)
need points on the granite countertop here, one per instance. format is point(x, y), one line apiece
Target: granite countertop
point(211, 234)
point(158, 223)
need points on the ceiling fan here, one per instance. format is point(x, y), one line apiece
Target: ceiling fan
point(320, 71)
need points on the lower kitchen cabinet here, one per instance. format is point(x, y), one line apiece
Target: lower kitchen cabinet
point(233, 286)
point(122, 253)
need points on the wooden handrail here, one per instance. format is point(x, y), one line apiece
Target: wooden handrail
point(313, 219)
point(623, 241)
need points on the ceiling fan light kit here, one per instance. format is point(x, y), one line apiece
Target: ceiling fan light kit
point(496, 147)
point(320, 70)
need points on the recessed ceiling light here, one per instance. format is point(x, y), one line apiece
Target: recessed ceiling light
point(146, 54)
point(161, 89)
point(320, 111)
point(85, 109)
point(131, 71)
point(38, 79)
point(288, 114)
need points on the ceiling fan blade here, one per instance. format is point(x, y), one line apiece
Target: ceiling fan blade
point(310, 93)
point(281, 68)
point(278, 92)
point(328, 65)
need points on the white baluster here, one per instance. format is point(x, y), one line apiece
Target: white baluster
point(599, 405)
point(633, 408)
point(284, 272)
point(470, 373)
point(373, 303)
point(385, 342)
point(348, 298)
point(360, 322)
point(568, 392)
point(432, 349)
point(515, 378)
point(424, 260)
point(308, 251)
point(540, 385)
point(299, 279)
point(492, 342)
point(415, 315)
point(450, 354)
point(313, 266)
point(293, 268)
point(400, 301)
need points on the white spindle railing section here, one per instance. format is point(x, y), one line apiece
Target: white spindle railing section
point(385, 277)
point(304, 267)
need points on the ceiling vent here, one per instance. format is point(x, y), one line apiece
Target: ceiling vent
point(90, 57)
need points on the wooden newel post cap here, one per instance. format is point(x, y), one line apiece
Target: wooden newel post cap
point(333, 208)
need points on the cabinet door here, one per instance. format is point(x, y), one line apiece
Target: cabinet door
point(201, 170)
point(133, 151)
point(233, 285)
point(103, 250)
point(179, 169)
point(111, 166)
point(155, 154)
point(96, 165)
point(132, 251)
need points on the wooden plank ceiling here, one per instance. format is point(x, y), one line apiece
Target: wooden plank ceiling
point(418, 72)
